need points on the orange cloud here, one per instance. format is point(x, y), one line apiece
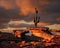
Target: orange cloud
point(6, 4)
point(25, 6)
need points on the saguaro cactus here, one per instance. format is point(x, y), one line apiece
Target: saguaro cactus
point(36, 18)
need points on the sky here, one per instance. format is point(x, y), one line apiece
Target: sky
point(24, 10)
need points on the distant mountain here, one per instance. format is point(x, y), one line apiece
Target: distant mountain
point(54, 26)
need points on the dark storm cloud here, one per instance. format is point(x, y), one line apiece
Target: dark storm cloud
point(50, 18)
point(53, 8)
point(7, 15)
point(52, 11)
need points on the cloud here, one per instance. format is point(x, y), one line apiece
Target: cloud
point(25, 6)
point(7, 4)
point(54, 26)
point(58, 19)
point(52, 11)
point(43, 24)
point(23, 23)
point(53, 8)
point(49, 10)
point(7, 15)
